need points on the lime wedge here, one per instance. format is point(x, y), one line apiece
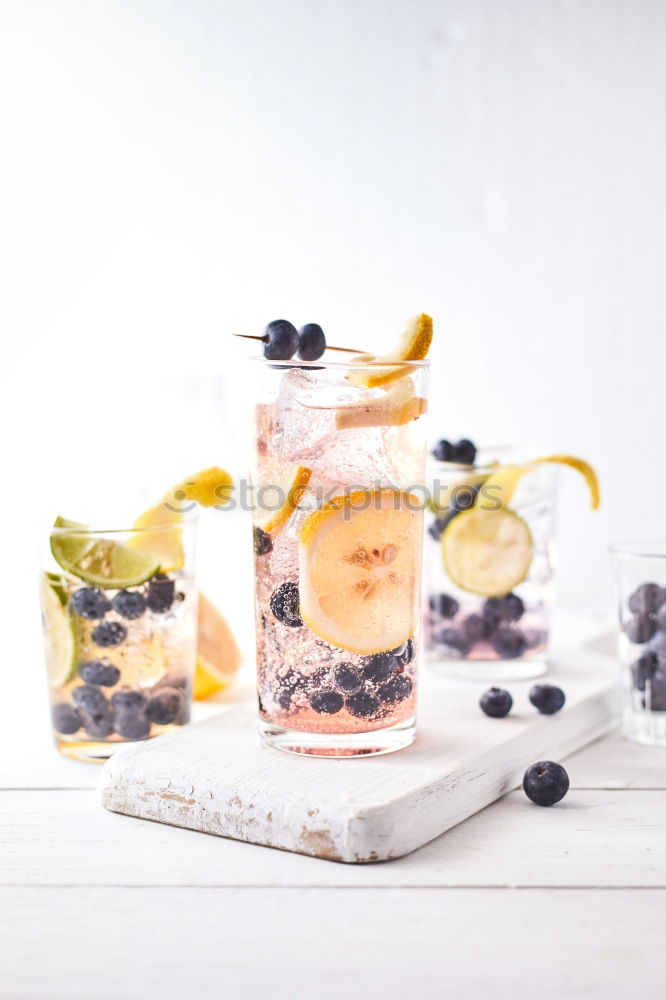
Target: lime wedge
point(58, 636)
point(487, 552)
point(101, 561)
point(501, 485)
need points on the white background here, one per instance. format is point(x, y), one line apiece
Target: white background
point(173, 172)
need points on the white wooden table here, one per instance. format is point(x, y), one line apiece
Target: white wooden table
point(518, 901)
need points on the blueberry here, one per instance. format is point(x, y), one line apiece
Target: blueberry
point(547, 698)
point(165, 706)
point(378, 667)
point(455, 639)
point(443, 605)
point(647, 599)
point(89, 603)
point(657, 645)
point(311, 342)
point(509, 643)
point(161, 593)
point(644, 669)
point(509, 608)
point(656, 702)
point(396, 688)
point(437, 527)
point(496, 702)
point(660, 618)
point(98, 726)
point(132, 726)
point(129, 604)
point(640, 628)
point(285, 604)
point(99, 672)
point(128, 701)
point(404, 654)
point(66, 719)
point(545, 783)
point(262, 542)
point(463, 497)
point(443, 451)
point(284, 699)
point(347, 678)
point(476, 627)
point(326, 702)
point(363, 704)
point(108, 634)
point(281, 340)
point(464, 452)
point(90, 700)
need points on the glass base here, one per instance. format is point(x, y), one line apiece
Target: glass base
point(92, 752)
point(648, 728)
point(372, 744)
point(491, 670)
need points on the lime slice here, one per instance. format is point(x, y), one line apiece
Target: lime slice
point(101, 561)
point(487, 552)
point(57, 586)
point(59, 638)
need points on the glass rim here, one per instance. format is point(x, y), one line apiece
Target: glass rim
point(341, 365)
point(85, 532)
point(647, 548)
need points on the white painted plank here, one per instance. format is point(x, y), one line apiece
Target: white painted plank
point(74, 944)
point(614, 762)
point(591, 839)
point(216, 777)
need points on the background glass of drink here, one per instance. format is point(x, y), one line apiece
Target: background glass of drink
point(338, 539)
point(640, 576)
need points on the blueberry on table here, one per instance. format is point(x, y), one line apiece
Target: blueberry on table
point(281, 340)
point(640, 628)
point(443, 605)
point(66, 719)
point(647, 599)
point(165, 706)
point(509, 643)
point(262, 542)
point(89, 603)
point(545, 783)
point(108, 634)
point(100, 673)
point(396, 688)
point(347, 678)
point(128, 700)
point(132, 727)
point(130, 604)
point(547, 698)
point(285, 604)
point(379, 666)
point(496, 702)
point(161, 593)
point(363, 705)
point(455, 639)
point(644, 669)
point(327, 702)
point(443, 451)
point(311, 342)
point(464, 452)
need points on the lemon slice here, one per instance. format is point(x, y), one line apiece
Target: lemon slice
point(396, 405)
point(102, 561)
point(59, 636)
point(487, 552)
point(286, 488)
point(358, 562)
point(218, 656)
point(413, 345)
point(501, 485)
point(160, 536)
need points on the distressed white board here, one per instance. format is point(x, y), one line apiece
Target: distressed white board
point(217, 777)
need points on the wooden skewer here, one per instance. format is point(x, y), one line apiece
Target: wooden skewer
point(329, 347)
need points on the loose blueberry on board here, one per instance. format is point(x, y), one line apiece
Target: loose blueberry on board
point(281, 340)
point(347, 678)
point(443, 451)
point(165, 706)
point(262, 542)
point(509, 643)
point(161, 593)
point(644, 669)
point(396, 688)
point(327, 702)
point(363, 705)
point(545, 783)
point(132, 726)
point(455, 639)
point(130, 604)
point(108, 634)
point(66, 719)
point(404, 654)
point(101, 673)
point(496, 702)
point(128, 701)
point(443, 605)
point(465, 452)
point(509, 608)
point(311, 342)
point(89, 603)
point(647, 599)
point(285, 604)
point(547, 698)
point(378, 667)
point(640, 628)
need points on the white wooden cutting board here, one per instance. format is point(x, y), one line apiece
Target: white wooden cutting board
point(217, 777)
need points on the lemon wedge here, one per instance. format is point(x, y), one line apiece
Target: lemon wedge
point(413, 345)
point(487, 552)
point(398, 404)
point(501, 484)
point(288, 488)
point(211, 487)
